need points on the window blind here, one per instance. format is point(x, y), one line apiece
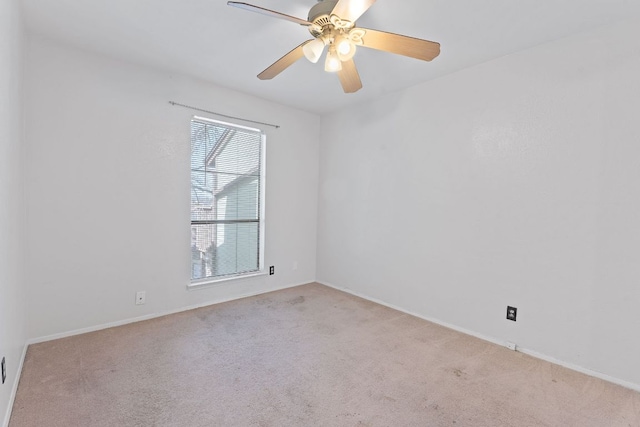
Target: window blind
point(226, 183)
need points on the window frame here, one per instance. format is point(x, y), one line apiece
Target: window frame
point(213, 280)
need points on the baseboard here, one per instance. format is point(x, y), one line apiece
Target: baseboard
point(582, 370)
point(529, 352)
point(14, 389)
point(154, 315)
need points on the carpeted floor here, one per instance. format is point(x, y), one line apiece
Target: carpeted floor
point(306, 356)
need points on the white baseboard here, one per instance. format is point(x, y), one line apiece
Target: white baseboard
point(14, 389)
point(154, 315)
point(578, 368)
point(493, 340)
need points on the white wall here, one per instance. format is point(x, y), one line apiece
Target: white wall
point(108, 189)
point(514, 182)
point(12, 313)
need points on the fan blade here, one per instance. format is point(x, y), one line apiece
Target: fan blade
point(402, 45)
point(351, 10)
point(283, 63)
point(268, 12)
point(349, 77)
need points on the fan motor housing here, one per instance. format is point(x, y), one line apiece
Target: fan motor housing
point(321, 12)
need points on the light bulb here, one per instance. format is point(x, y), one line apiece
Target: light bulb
point(333, 63)
point(313, 50)
point(345, 48)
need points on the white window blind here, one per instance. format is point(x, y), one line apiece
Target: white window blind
point(226, 200)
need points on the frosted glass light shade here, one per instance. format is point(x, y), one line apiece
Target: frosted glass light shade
point(313, 50)
point(333, 63)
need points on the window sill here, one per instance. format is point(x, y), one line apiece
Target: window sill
point(207, 283)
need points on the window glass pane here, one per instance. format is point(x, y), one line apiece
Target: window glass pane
point(224, 249)
point(225, 199)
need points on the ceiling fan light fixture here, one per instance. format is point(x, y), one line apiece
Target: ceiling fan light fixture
point(313, 50)
point(332, 23)
point(332, 63)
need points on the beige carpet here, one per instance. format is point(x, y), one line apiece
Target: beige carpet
point(307, 356)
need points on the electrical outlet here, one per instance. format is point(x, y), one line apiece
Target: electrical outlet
point(272, 270)
point(511, 346)
point(4, 370)
point(512, 313)
point(141, 296)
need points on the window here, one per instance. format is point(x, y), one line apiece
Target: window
point(227, 225)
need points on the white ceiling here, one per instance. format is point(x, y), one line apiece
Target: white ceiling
point(228, 46)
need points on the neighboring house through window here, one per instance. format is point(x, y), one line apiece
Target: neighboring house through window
point(227, 225)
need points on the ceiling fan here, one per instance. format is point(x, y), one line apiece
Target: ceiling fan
point(332, 23)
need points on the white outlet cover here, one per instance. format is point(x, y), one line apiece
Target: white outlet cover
point(140, 297)
point(511, 346)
